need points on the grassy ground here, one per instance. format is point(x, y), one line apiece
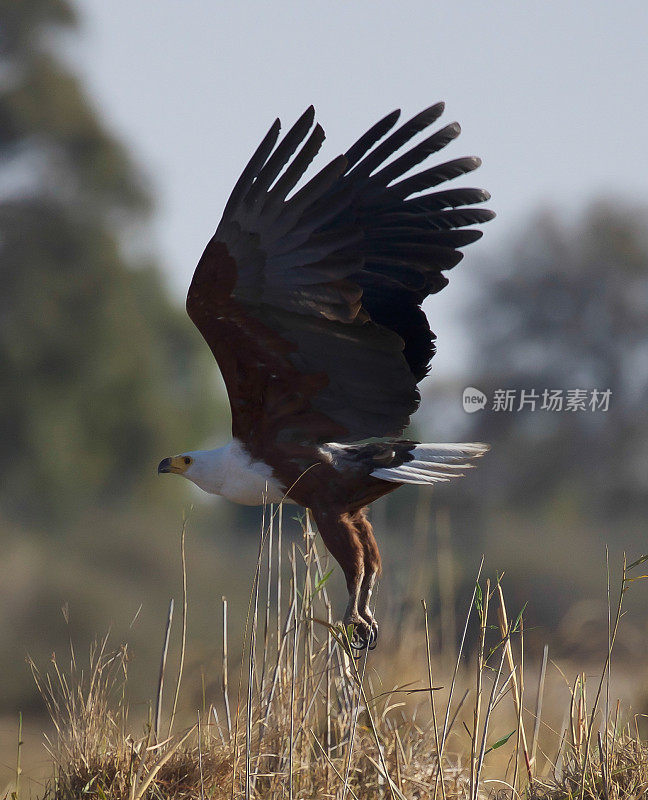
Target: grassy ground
point(305, 716)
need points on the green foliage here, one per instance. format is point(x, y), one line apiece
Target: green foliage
point(101, 375)
point(500, 742)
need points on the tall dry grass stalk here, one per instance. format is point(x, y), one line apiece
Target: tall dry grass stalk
point(312, 720)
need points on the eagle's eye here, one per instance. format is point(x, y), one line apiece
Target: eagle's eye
point(187, 460)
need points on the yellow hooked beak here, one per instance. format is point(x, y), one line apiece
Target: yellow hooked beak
point(176, 464)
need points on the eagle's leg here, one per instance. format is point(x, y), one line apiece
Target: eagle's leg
point(372, 567)
point(342, 540)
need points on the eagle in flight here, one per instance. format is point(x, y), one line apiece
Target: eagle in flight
point(310, 300)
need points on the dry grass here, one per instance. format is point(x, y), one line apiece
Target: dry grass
point(305, 717)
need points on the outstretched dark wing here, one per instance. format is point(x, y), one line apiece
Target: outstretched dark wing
point(310, 299)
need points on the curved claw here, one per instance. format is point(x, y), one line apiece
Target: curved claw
point(365, 631)
point(372, 626)
point(364, 636)
point(359, 642)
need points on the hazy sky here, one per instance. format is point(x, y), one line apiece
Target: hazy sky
point(552, 95)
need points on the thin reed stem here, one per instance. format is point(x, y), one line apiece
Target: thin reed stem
point(446, 726)
point(538, 707)
point(183, 644)
point(163, 660)
point(225, 672)
point(19, 755)
point(517, 696)
point(483, 618)
point(293, 676)
point(266, 625)
point(432, 703)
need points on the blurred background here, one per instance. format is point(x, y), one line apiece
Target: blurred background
point(122, 130)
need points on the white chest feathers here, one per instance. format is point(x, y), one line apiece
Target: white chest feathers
point(231, 472)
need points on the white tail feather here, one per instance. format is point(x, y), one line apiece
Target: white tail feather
point(433, 463)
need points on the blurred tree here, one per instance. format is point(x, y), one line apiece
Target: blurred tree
point(101, 375)
point(568, 309)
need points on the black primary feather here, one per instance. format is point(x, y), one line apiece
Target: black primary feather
point(340, 266)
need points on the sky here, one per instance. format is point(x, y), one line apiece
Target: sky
point(551, 95)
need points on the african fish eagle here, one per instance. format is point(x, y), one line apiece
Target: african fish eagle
point(310, 301)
